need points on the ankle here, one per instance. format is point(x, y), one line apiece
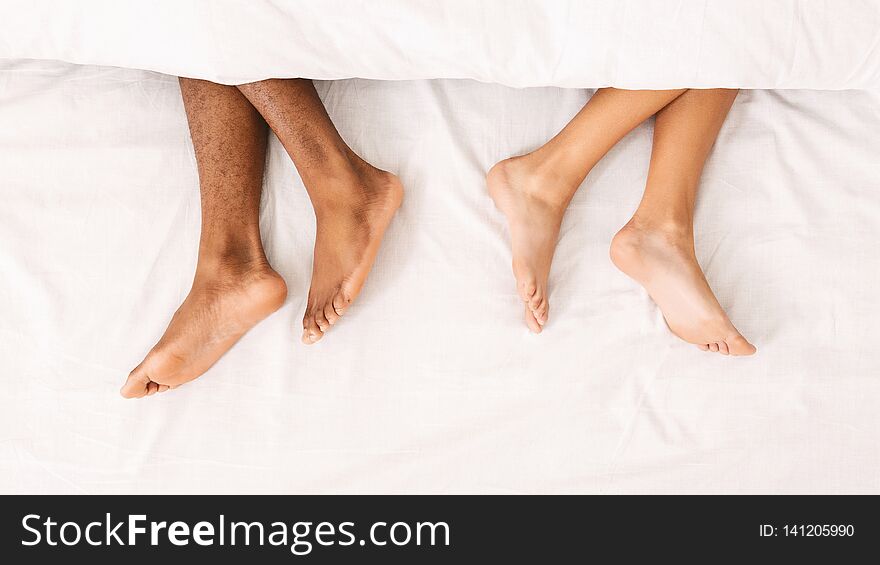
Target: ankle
point(671, 228)
point(359, 188)
point(334, 164)
point(230, 260)
point(538, 178)
point(566, 160)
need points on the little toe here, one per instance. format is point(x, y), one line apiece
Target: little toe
point(703, 346)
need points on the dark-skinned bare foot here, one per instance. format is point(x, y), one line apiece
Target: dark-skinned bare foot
point(224, 303)
point(350, 227)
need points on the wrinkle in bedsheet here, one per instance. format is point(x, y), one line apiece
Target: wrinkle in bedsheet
point(432, 383)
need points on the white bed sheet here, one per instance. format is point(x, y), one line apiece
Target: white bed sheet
point(432, 383)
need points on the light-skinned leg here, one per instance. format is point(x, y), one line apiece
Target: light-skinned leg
point(656, 247)
point(534, 190)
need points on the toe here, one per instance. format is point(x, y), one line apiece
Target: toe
point(738, 345)
point(311, 331)
point(703, 346)
point(341, 302)
point(722, 348)
point(321, 320)
point(152, 388)
point(532, 322)
point(542, 311)
point(330, 313)
point(527, 289)
point(713, 347)
point(136, 384)
point(537, 299)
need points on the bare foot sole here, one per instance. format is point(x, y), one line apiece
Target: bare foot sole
point(525, 197)
point(349, 233)
point(664, 263)
point(219, 309)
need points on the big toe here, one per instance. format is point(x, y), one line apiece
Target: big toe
point(137, 385)
point(738, 345)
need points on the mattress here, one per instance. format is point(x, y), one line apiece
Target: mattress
point(432, 383)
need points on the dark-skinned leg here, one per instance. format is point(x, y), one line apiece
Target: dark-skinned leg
point(234, 286)
point(353, 201)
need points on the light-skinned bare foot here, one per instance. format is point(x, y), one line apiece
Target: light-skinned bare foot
point(531, 199)
point(350, 227)
point(663, 261)
point(224, 303)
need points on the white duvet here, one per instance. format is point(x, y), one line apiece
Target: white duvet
point(820, 44)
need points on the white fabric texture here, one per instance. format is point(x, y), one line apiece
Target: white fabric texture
point(817, 44)
point(431, 383)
